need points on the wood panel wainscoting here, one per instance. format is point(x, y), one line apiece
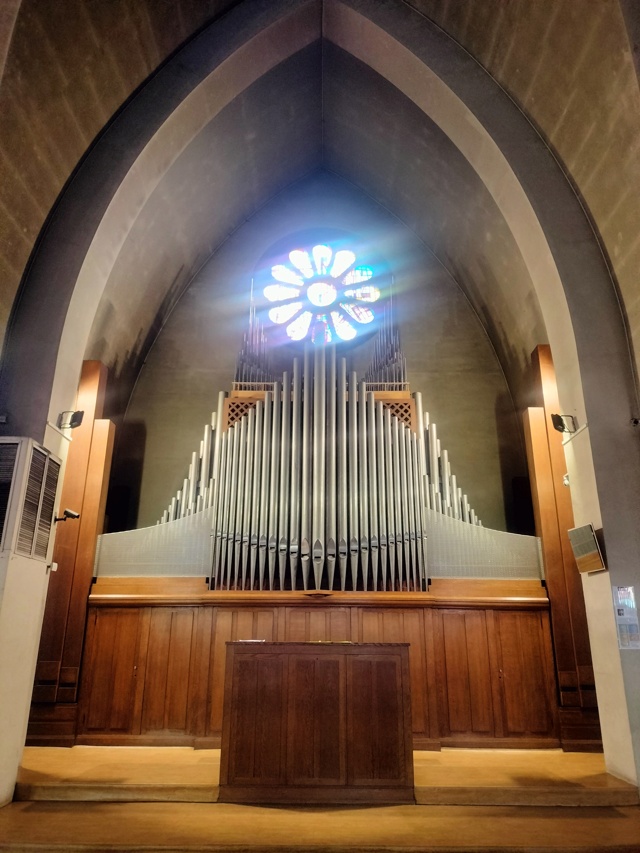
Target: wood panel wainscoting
point(480, 657)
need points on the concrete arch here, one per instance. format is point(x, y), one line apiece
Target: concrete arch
point(76, 252)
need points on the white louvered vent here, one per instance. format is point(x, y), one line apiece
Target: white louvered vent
point(8, 456)
point(37, 510)
point(28, 483)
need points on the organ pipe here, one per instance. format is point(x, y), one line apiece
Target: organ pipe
point(320, 485)
point(332, 462)
point(363, 483)
point(294, 503)
point(272, 534)
point(382, 496)
point(343, 474)
point(373, 486)
point(285, 467)
point(319, 444)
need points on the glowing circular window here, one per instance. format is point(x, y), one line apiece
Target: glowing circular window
point(322, 294)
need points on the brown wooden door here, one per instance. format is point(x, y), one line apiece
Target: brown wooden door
point(167, 676)
point(110, 679)
point(464, 674)
point(523, 651)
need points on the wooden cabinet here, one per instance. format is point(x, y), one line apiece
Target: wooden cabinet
point(316, 723)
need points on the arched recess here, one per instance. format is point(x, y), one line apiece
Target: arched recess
point(62, 288)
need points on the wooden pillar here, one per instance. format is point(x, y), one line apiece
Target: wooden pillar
point(554, 517)
point(84, 490)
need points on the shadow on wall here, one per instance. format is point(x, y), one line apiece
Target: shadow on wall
point(518, 506)
point(126, 477)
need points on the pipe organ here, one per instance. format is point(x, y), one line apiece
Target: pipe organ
point(319, 481)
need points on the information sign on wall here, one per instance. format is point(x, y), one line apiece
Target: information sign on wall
point(624, 602)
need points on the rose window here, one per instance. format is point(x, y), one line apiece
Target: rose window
point(322, 295)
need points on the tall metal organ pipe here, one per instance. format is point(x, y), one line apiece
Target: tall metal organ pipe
point(320, 486)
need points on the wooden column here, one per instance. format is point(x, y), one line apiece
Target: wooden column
point(554, 517)
point(84, 490)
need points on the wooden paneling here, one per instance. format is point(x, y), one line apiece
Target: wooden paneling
point(406, 626)
point(314, 722)
point(377, 720)
point(256, 737)
point(230, 625)
point(478, 675)
point(167, 677)
point(464, 675)
point(328, 624)
point(495, 678)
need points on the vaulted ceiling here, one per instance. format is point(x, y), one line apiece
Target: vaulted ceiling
point(162, 127)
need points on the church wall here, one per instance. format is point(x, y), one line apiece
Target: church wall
point(570, 66)
point(55, 100)
point(410, 166)
point(220, 179)
point(449, 356)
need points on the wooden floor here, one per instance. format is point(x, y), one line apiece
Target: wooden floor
point(483, 800)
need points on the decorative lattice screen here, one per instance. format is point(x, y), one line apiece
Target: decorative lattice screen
point(402, 409)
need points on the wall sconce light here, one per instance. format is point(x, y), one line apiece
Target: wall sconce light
point(67, 513)
point(70, 420)
point(564, 423)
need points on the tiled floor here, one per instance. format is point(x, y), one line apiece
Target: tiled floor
point(171, 826)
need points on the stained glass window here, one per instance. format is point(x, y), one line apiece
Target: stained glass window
point(322, 294)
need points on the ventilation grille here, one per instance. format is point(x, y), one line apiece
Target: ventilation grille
point(8, 455)
point(28, 485)
point(37, 510)
point(43, 533)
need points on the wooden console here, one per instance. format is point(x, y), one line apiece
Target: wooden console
point(317, 723)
